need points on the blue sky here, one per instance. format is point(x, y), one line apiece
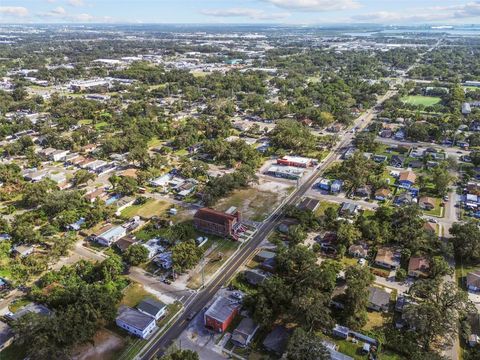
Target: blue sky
point(241, 11)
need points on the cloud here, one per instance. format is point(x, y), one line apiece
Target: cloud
point(76, 3)
point(315, 5)
point(430, 14)
point(83, 18)
point(18, 11)
point(57, 12)
point(254, 14)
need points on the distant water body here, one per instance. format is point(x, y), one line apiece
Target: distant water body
point(460, 32)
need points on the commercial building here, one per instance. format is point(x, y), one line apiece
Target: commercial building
point(220, 314)
point(135, 322)
point(215, 222)
point(295, 161)
point(285, 172)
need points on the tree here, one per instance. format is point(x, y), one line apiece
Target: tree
point(441, 179)
point(436, 316)
point(82, 176)
point(185, 255)
point(114, 180)
point(466, 241)
point(136, 254)
point(348, 234)
point(306, 346)
point(356, 295)
point(296, 234)
point(111, 267)
point(127, 185)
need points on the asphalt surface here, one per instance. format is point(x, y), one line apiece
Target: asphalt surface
point(203, 297)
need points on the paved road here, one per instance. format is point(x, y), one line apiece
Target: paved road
point(203, 297)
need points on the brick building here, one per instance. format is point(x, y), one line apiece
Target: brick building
point(215, 222)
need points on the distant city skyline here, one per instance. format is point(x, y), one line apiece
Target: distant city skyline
point(309, 12)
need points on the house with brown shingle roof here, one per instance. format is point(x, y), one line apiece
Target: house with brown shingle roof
point(387, 258)
point(418, 266)
point(427, 203)
point(407, 179)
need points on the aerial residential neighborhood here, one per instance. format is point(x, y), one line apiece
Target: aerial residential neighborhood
point(252, 189)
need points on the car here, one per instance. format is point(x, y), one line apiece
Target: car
point(167, 281)
point(362, 262)
point(191, 315)
point(445, 198)
point(237, 295)
point(459, 152)
point(432, 221)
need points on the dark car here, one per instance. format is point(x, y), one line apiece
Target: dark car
point(191, 315)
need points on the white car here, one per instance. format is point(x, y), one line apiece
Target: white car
point(362, 262)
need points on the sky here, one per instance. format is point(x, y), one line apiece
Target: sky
point(307, 12)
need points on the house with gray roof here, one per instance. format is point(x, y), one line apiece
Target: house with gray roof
point(378, 299)
point(152, 307)
point(135, 322)
point(277, 340)
point(244, 333)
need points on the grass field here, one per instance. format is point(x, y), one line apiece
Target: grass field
point(150, 208)
point(133, 294)
point(255, 203)
point(421, 100)
point(437, 211)
point(224, 246)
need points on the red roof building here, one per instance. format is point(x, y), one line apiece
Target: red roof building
point(220, 314)
point(215, 222)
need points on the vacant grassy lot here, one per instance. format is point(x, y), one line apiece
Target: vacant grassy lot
point(421, 100)
point(222, 249)
point(150, 208)
point(256, 203)
point(133, 294)
point(437, 211)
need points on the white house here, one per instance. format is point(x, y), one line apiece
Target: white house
point(58, 155)
point(153, 308)
point(111, 235)
point(135, 322)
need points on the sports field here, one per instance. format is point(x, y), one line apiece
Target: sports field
point(421, 100)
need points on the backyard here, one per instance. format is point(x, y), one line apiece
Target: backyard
point(146, 211)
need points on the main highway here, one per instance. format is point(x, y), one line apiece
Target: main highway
point(201, 299)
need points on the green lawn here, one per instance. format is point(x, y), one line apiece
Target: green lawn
point(324, 205)
point(150, 208)
point(133, 294)
point(461, 271)
point(421, 100)
point(18, 304)
point(437, 211)
point(223, 246)
point(101, 125)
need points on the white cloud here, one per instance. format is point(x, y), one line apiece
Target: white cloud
point(18, 11)
point(76, 3)
point(51, 1)
point(315, 5)
point(430, 14)
point(83, 18)
point(57, 12)
point(254, 14)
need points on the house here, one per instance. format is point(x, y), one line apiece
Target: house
point(407, 179)
point(125, 242)
point(220, 314)
point(404, 199)
point(164, 260)
point(386, 133)
point(473, 280)
point(215, 222)
point(379, 158)
point(336, 186)
point(358, 251)
point(58, 155)
point(397, 161)
point(418, 266)
point(348, 209)
point(324, 184)
point(264, 255)
point(152, 307)
point(255, 277)
point(387, 258)
point(363, 192)
point(341, 331)
point(6, 335)
point(309, 204)
point(378, 299)
point(31, 308)
point(402, 301)
point(399, 135)
point(153, 246)
point(466, 109)
point(285, 172)
point(23, 250)
point(427, 203)
point(135, 322)
point(382, 194)
point(244, 333)
point(110, 235)
point(77, 225)
point(277, 340)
